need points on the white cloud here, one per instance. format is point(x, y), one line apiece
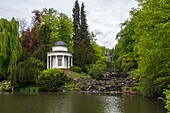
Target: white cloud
point(106, 16)
point(103, 16)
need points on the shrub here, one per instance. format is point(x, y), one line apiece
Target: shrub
point(69, 86)
point(76, 69)
point(96, 71)
point(167, 102)
point(25, 73)
point(6, 86)
point(51, 79)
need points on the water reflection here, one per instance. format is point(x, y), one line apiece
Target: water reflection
point(112, 104)
point(76, 103)
point(142, 105)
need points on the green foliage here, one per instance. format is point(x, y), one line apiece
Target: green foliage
point(76, 21)
point(41, 52)
point(6, 86)
point(143, 43)
point(152, 45)
point(59, 25)
point(83, 51)
point(25, 73)
point(69, 86)
point(54, 27)
point(167, 102)
point(64, 30)
point(124, 57)
point(98, 53)
point(51, 79)
point(10, 47)
point(96, 71)
point(76, 69)
point(127, 62)
point(73, 74)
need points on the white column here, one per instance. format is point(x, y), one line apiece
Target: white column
point(47, 62)
point(71, 61)
point(68, 61)
point(63, 61)
point(50, 62)
point(56, 61)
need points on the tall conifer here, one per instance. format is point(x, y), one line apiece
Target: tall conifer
point(76, 22)
point(83, 51)
point(85, 37)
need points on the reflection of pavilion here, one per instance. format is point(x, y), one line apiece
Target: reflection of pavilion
point(59, 57)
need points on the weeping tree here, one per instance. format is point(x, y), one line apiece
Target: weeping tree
point(10, 47)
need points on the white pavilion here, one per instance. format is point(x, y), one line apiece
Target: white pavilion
point(59, 57)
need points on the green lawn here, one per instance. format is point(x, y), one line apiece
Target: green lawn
point(73, 74)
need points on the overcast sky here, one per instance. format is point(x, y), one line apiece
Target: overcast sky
point(103, 16)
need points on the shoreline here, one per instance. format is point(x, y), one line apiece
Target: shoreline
point(127, 93)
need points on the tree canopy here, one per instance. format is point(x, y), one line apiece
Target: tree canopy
point(83, 51)
point(10, 47)
point(143, 44)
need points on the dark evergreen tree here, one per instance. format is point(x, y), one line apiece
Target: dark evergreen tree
point(76, 23)
point(83, 51)
point(43, 41)
point(76, 30)
point(87, 48)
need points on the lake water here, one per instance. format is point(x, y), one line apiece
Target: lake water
point(77, 103)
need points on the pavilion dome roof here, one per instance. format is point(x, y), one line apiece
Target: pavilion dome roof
point(60, 43)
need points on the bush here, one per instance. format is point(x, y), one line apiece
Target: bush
point(76, 69)
point(96, 71)
point(51, 80)
point(68, 86)
point(25, 73)
point(167, 102)
point(5, 86)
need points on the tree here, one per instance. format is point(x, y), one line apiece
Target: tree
point(145, 38)
point(99, 65)
point(64, 30)
point(28, 37)
point(85, 36)
point(76, 23)
point(48, 26)
point(25, 39)
point(124, 56)
point(43, 32)
point(54, 27)
point(83, 51)
point(10, 47)
point(152, 46)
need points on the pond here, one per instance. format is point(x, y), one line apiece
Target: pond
point(77, 103)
